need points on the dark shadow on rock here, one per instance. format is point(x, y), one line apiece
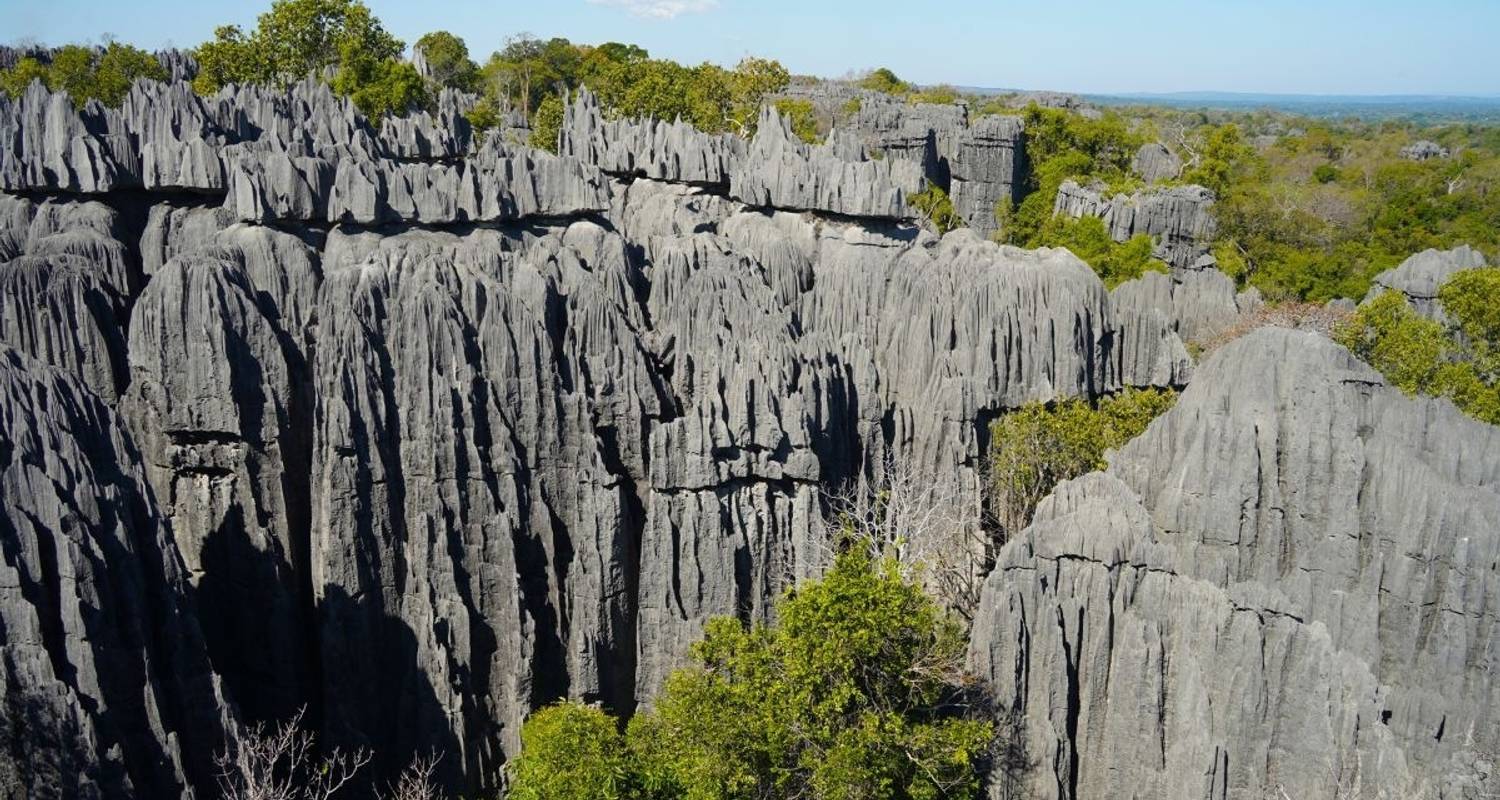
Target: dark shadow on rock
point(378, 696)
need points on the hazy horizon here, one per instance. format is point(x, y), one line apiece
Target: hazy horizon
point(1334, 47)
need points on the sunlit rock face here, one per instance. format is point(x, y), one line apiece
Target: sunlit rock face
point(421, 432)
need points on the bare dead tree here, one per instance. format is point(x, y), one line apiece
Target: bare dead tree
point(1179, 131)
point(929, 526)
point(416, 781)
point(281, 762)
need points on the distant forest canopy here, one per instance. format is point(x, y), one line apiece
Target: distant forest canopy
point(1308, 209)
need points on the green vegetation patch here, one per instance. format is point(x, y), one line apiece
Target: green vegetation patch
point(1037, 446)
point(856, 691)
point(1459, 360)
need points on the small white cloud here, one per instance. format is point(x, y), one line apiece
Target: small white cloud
point(659, 9)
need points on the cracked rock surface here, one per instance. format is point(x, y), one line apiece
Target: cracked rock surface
point(1288, 580)
point(423, 432)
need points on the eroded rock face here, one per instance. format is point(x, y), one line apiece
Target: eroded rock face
point(661, 150)
point(1420, 277)
point(1178, 219)
point(1154, 162)
point(107, 689)
point(423, 434)
point(1286, 582)
point(779, 171)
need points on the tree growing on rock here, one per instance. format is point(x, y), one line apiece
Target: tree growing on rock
point(856, 691)
point(448, 62)
point(1459, 360)
point(85, 73)
point(298, 38)
point(1037, 446)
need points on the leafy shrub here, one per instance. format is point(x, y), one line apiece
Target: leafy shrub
point(942, 95)
point(546, 124)
point(802, 116)
point(1460, 361)
point(484, 117)
point(1063, 145)
point(935, 206)
point(629, 83)
point(1037, 446)
point(1089, 239)
point(448, 61)
point(856, 692)
point(86, 73)
point(882, 79)
point(571, 751)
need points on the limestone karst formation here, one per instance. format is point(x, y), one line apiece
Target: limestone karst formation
point(420, 433)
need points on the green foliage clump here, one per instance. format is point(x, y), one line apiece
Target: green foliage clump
point(448, 62)
point(1460, 361)
point(855, 692)
point(13, 81)
point(1315, 214)
point(86, 73)
point(1037, 446)
point(882, 79)
point(1063, 145)
point(546, 124)
point(483, 117)
point(802, 116)
point(1088, 238)
point(571, 751)
point(630, 83)
point(297, 38)
point(942, 95)
point(935, 206)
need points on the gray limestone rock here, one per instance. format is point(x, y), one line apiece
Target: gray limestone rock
point(1420, 277)
point(1155, 163)
point(1179, 219)
point(1284, 585)
point(107, 690)
point(665, 151)
point(218, 400)
point(988, 168)
point(429, 433)
point(48, 145)
point(1422, 150)
point(781, 172)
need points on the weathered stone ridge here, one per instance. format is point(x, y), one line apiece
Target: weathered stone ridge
point(1289, 575)
point(423, 433)
point(1178, 219)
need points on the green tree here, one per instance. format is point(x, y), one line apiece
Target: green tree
point(855, 692)
point(448, 62)
point(1037, 446)
point(230, 57)
point(882, 79)
point(296, 38)
point(571, 751)
point(803, 118)
point(1063, 145)
point(546, 124)
point(750, 84)
point(1089, 239)
point(1420, 356)
point(380, 87)
point(86, 73)
point(942, 95)
point(935, 206)
point(14, 81)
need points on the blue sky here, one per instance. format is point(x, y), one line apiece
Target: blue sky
point(1290, 46)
